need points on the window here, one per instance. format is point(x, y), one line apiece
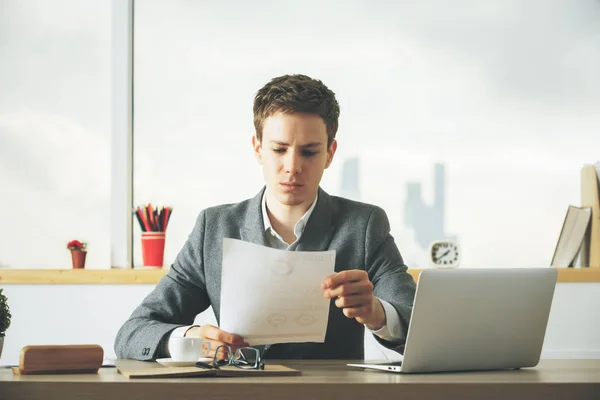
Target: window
point(466, 121)
point(54, 132)
point(495, 105)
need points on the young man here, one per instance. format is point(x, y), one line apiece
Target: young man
point(296, 120)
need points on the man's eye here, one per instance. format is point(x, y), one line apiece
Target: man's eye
point(279, 150)
point(307, 153)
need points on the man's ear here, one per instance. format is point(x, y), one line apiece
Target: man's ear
point(257, 146)
point(330, 153)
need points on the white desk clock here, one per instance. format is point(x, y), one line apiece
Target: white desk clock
point(444, 254)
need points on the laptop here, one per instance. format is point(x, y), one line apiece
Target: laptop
point(476, 319)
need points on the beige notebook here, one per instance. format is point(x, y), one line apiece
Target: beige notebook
point(183, 372)
point(166, 372)
point(270, 370)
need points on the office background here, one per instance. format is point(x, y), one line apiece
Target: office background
point(502, 96)
point(469, 121)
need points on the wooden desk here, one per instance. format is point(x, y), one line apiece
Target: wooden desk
point(551, 379)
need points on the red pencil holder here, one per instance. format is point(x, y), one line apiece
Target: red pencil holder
point(153, 249)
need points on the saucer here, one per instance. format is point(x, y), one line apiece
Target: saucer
point(168, 362)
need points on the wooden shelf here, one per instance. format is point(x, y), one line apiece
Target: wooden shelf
point(152, 276)
point(577, 275)
point(80, 276)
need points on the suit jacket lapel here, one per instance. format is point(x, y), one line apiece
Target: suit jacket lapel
point(319, 229)
point(317, 234)
point(252, 228)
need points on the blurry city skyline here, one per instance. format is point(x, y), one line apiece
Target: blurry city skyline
point(425, 221)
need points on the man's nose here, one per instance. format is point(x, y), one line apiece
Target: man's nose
point(293, 163)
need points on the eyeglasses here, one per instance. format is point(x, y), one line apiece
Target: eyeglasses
point(244, 358)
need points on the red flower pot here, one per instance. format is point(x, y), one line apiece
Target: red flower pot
point(78, 257)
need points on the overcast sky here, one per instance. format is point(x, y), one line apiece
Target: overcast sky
point(504, 93)
point(54, 131)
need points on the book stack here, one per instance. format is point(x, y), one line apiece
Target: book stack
point(572, 237)
point(590, 197)
point(579, 239)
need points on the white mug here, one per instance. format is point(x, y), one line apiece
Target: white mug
point(188, 348)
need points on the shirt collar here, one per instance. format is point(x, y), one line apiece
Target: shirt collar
point(300, 225)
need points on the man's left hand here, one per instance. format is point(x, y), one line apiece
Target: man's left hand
point(353, 293)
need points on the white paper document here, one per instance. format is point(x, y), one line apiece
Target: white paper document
point(274, 296)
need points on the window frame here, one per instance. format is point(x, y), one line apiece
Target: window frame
point(122, 102)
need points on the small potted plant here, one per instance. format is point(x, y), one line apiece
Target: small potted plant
point(4, 318)
point(78, 253)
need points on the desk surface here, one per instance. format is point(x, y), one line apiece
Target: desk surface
point(568, 379)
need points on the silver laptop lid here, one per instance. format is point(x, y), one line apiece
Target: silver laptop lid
point(479, 319)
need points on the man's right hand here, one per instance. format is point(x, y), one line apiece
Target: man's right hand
point(217, 338)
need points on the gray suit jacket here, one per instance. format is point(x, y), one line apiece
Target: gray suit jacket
point(360, 234)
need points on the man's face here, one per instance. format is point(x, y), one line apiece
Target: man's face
point(293, 154)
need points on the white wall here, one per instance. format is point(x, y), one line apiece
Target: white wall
point(77, 314)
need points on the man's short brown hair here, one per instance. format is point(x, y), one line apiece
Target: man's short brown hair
point(296, 93)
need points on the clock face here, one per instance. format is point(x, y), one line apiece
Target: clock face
point(445, 254)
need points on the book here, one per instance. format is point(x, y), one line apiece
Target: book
point(590, 197)
point(571, 236)
point(190, 372)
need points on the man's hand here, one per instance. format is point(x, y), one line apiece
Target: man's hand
point(217, 338)
point(353, 293)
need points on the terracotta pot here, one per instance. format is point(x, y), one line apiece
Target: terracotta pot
point(78, 257)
